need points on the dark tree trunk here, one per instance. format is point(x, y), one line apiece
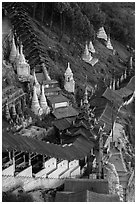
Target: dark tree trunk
point(62, 25)
point(43, 10)
point(34, 9)
point(51, 21)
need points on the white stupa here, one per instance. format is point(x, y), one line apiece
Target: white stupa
point(35, 107)
point(125, 74)
point(131, 62)
point(110, 85)
point(118, 83)
point(23, 68)
point(102, 34)
point(69, 80)
point(87, 55)
point(109, 45)
point(43, 102)
point(114, 84)
point(91, 47)
point(36, 84)
point(121, 78)
point(13, 51)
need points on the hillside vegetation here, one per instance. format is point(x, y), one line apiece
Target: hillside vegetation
point(64, 27)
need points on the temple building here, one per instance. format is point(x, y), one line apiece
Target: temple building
point(51, 87)
point(69, 80)
point(102, 34)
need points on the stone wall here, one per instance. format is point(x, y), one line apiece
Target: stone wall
point(9, 171)
point(29, 183)
point(26, 172)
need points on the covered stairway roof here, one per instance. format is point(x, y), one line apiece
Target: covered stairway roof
point(79, 149)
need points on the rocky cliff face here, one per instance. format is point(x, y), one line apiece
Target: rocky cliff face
point(113, 181)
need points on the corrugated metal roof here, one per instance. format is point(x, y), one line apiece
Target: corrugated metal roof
point(57, 99)
point(65, 112)
point(131, 84)
point(63, 123)
point(51, 89)
point(124, 92)
point(104, 115)
point(113, 96)
point(98, 101)
point(78, 150)
point(107, 118)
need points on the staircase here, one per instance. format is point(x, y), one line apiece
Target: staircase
point(28, 33)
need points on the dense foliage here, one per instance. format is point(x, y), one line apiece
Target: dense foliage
point(10, 197)
point(82, 19)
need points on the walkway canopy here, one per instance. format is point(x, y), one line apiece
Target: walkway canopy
point(78, 150)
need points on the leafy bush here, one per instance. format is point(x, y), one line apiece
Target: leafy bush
point(10, 197)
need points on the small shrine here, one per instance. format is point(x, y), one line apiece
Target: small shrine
point(109, 45)
point(102, 34)
point(91, 47)
point(69, 80)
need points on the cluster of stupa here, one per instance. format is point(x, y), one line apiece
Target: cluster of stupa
point(89, 50)
point(15, 116)
point(87, 56)
point(115, 83)
point(102, 34)
point(39, 104)
point(18, 58)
